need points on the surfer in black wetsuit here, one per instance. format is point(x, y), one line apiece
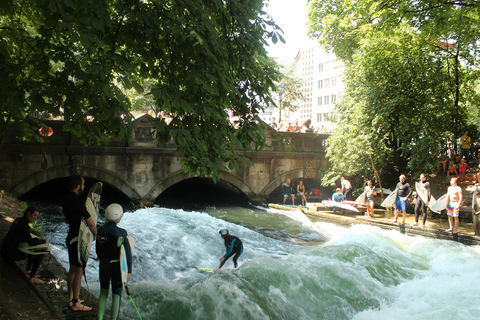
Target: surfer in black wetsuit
point(234, 247)
point(109, 240)
point(419, 202)
point(74, 210)
point(20, 232)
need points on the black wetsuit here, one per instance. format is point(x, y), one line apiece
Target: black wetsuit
point(74, 210)
point(234, 246)
point(419, 203)
point(20, 232)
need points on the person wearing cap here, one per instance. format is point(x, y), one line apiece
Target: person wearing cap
point(109, 240)
point(234, 248)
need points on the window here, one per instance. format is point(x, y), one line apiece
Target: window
point(320, 84)
point(333, 98)
point(319, 117)
point(319, 101)
point(327, 83)
point(334, 82)
point(325, 100)
point(320, 67)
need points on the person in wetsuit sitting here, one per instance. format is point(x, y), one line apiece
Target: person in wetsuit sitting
point(233, 246)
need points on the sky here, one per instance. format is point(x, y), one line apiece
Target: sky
point(291, 16)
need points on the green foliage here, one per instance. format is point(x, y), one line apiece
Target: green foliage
point(411, 80)
point(192, 60)
point(288, 93)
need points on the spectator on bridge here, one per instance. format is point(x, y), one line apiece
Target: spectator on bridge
point(273, 124)
point(288, 192)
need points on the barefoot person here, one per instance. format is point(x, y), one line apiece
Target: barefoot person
point(419, 202)
point(404, 191)
point(288, 192)
point(301, 192)
point(74, 210)
point(234, 248)
point(370, 194)
point(455, 198)
point(346, 188)
point(109, 241)
point(20, 232)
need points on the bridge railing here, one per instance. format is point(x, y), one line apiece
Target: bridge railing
point(143, 137)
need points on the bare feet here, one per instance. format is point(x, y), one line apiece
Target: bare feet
point(449, 230)
point(415, 224)
point(36, 280)
point(403, 223)
point(393, 221)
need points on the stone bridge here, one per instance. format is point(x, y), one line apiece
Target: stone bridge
point(142, 170)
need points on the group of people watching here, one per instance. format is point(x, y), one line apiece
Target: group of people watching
point(295, 127)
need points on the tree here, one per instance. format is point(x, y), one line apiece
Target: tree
point(408, 63)
point(205, 57)
point(289, 91)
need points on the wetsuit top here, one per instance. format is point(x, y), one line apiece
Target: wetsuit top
point(109, 240)
point(74, 210)
point(404, 189)
point(19, 232)
point(286, 189)
point(337, 197)
point(426, 184)
point(232, 244)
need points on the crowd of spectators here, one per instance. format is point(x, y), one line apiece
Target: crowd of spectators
point(288, 126)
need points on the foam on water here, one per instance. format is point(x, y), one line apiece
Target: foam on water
point(359, 273)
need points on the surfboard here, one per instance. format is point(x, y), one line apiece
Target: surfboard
point(343, 206)
point(440, 204)
point(123, 260)
point(390, 199)
point(475, 211)
point(207, 270)
point(422, 192)
point(85, 236)
point(43, 248)
point(361, 199)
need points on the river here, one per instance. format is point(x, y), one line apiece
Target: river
point(291, 268)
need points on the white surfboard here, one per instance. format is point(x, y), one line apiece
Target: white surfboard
point(339, 205)
point(423, 194)
point(475, 201)
point(440, 204)
point(123, 260)
point(43, 248)
point(361, 198)
point(390, 199)
point(85, 236)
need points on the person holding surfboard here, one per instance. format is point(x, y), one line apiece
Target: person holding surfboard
point(403, 192)
point(19, 232)
point(74, 209)
point(370, 194)
point(338, 197)
point(234, 248)
point(419, 202)
point(110, 239)
point(455, 198)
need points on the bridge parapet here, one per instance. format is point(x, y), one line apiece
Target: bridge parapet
point(142, 170)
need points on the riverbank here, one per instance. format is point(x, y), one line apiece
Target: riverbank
point(24, 301)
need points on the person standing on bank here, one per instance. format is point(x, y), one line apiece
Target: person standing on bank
point(465, 150)
point(419, 202)
point(346, 188)
point(20, 232)
point(370, 194)
point(453, 207)
point(109, 240)
point(74, 210)
point(404, 192)
point(234, 248)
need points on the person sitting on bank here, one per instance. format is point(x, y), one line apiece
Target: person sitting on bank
point(338, 197)
point(288, 191)
point(20, 232)
point(301, 192)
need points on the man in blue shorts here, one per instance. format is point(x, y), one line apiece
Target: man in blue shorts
point(404, 191)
